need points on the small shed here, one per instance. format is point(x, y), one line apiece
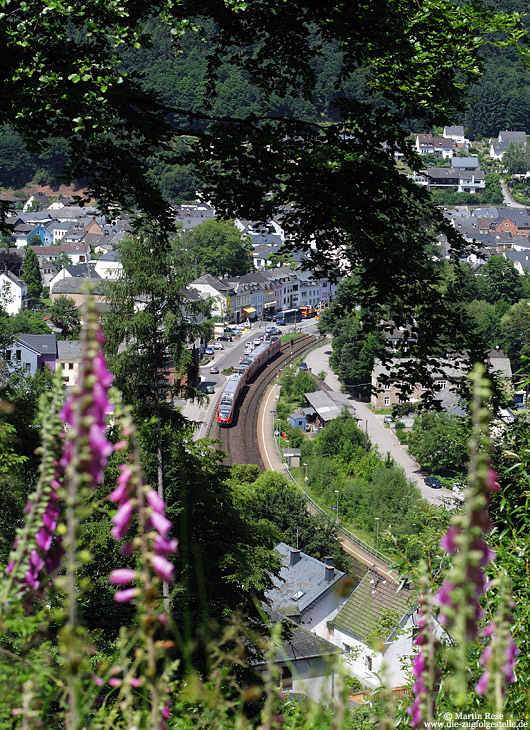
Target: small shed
point(298, 421)
point(292, 456)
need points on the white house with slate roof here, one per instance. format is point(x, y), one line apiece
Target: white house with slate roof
point(505, 138)
point(307, 590)
point(218, 291)
point(109, 266)
point(68, 360)
point(13, 292)
point(379, 611)
point(456, 134)
point(307, 663)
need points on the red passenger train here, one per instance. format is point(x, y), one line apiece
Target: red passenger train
point(244, 371)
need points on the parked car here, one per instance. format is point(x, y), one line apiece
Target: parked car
point(208, 351)
point(387, 419)
point(225, 338)
point(303, 366)
point(214, 370)
point(218, 346)
point(433, 482)
point(210, 389)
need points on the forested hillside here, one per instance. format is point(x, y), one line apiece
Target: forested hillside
point(500, 100)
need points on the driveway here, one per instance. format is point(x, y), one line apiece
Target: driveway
point(508, 198)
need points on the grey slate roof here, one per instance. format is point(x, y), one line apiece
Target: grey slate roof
point(73, 285)
point(219, 284)
point(85, 271)
point(444, 173)
point(519, 257)
point(110, 256)
point(329, 405)
point(43, 344)
point(456, 131)
point(506, 137)
point(15, 279)
point(488, 212)
point(300, 644)
point(307, 579)
point(521, 218)
point(68, 349)
point(467, 163)
point(375, 608)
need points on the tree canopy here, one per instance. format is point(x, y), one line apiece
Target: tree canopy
point(218, 248)
point(31, 274)
point(65, 315)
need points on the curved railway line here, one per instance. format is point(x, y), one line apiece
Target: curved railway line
point(239, 439)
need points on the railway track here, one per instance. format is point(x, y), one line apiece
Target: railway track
point(239, 440)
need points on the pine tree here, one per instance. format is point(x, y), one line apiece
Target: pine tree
point(31, 274)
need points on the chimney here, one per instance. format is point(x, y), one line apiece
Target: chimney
point(328, 560)
point(330, 573)
point(295, 557)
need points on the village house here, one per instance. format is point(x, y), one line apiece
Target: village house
point(461, 180)
point(78, 253)
point(68, 360)
point(13, 292)
point(387, 389)
point(109, 266)
point(498, 147)
point(306, 663)
point(216, 291)
point(83, 271)
point(516, 222)
point(456, 133)
point(31, 353)
point(380, 610)
point(307, 590)
point(74, 287)
point(428, 144)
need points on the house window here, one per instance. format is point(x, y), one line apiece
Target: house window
point(368, 661)
point(287, 678)
point(70, 366)
point(27, 365)
point(442, 384)
point(387, 400)
point(346, 648)
point(18, 354)
point(387, 386)
point(8, 355)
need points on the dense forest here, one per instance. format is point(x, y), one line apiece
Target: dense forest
point(499, 100)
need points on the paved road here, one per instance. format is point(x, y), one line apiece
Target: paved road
point(379, 434)
point(508, 198)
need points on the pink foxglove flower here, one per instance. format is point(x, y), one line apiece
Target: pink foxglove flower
point(163, 568)
point(156, 502)
point(122, 576)
point(126, 595)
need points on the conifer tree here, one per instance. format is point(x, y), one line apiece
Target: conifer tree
point(31, 274)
